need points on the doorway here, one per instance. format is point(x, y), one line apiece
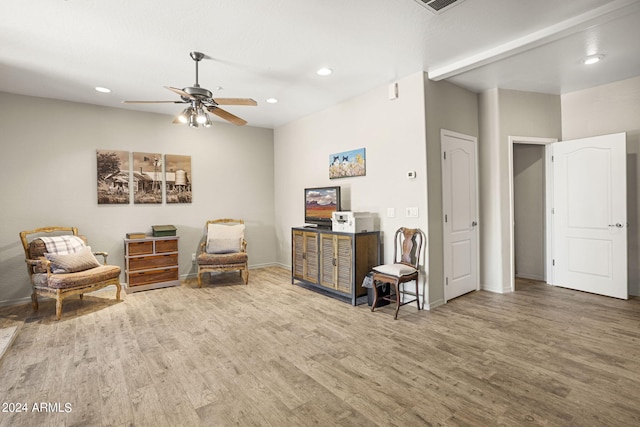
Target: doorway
point(529, 208)
point(527, 229)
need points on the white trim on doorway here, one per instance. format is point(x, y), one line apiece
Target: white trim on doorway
point(548, 237)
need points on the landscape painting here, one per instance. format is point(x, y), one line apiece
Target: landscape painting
point(147, 178)
point(177, 178)
point(347, 164)
point(113, 177)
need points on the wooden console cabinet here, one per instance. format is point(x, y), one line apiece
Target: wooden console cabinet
point(151, 263)
point(334, 261)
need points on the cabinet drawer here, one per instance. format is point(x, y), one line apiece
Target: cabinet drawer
point(139, 248)
point(154, 276)
point(153, 261)
point(166, 246)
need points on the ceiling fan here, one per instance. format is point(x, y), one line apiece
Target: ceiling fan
point(201, 100)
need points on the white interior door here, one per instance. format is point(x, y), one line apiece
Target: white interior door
point(590, 215)
point(460, 213)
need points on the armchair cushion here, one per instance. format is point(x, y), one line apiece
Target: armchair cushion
point(223, 246)
point(206, 259)
point(219, 234)
point(78, 279)
point(80, 260)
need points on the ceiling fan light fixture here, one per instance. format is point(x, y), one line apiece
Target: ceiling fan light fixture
point(201, 117)
point(272, 100)
point(192, 121)
point(184, 116)
point(207, 124)
point(102, 89)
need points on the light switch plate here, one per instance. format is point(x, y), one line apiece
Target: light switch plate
point(412, 212)
point(391, 212)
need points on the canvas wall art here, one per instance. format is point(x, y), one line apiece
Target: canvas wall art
point(347, 164)
point(147, 178)
point(113, 177)
point(177, 178)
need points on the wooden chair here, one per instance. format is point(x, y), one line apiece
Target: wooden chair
point(223, 248)
point(61, 275)
point(408, 245)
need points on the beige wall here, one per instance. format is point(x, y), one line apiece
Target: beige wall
point(607, 109)
point(48, 166)
point(455, 109)
point(505, 113)
point(393, 134)
point(399, 135)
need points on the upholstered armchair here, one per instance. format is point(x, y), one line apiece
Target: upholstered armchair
point(223, 248)
point(60, 265)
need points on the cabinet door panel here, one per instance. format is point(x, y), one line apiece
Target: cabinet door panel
point(298, 255)
point(344, 261)
point(327, 263)
point(311, 251)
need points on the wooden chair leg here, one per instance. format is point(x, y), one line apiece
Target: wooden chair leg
point(118, 289)
point(34, 301)
point(417, 295)
point(397, 287)
point(199, 278)
point(58, 307)
point(81, 296)
point(245, 275)
point(375, 296)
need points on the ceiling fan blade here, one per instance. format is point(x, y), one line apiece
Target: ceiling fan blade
point(180, 92)
point(227, 116)
point(153, 102)
point(235, 101)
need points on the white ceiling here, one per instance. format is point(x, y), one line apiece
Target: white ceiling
point(261, 49)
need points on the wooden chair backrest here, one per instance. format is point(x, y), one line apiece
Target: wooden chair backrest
point(409, 243)
point(223, 221)
point(25, 241)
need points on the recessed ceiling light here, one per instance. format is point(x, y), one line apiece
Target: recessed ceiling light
point(592, 59)
point(272, 101)
point(103, 89)
point(324, 71)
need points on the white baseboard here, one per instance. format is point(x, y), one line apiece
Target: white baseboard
point(10, 302)
point(496, 288)
point(530, 277)
point(434, 304)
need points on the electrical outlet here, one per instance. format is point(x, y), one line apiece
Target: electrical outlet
point(193, 258)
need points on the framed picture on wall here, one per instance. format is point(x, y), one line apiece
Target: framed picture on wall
point(147, 178)
point(113, 177)
point(347, 164)
point(177, 178)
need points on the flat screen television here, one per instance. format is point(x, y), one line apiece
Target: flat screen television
point(319, 204)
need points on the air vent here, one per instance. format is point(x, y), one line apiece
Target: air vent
point(438, 6)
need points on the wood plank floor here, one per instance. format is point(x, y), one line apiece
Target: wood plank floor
point(273, 354)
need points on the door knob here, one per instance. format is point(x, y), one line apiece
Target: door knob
point(474, 223)
point(617, 224)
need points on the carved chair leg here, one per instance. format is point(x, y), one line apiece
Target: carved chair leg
point(118, 289)
point(58, 307)
point(34, 301)
point(397, 287)
point(245, 275)
point(417, 295)
point(199, 278)
point(375, 296)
